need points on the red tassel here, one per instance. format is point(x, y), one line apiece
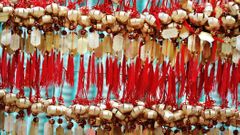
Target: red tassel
point(70, 71)
point(201, 81)
point(225, 83)
point(88, 74)
point(93, 73)
point(143, 80)
point(99, 82)
point(32, 70)
point(44, 71)
point(27, 74)
point(12, 72)
point(20, 75)
point(162, 80)
point(124, 70)
point(80, 90)
point(4, 74)
point(37, 77)
point(171, 93)
point(115, 78)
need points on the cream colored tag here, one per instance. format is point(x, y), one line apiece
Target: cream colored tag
point(29, 48)
point(2, 120)
point(118, 42)
point(132, 50)
point(59, 130)
point(238, 42)
point(49, 41)
point(15, 42)
point(79, 131)
point(22, 128)
point(36, 37)
point(107, 44)
point(226, 48)
point(6, 37)
point(170, 33)
point(48, 129)
point(9, 123)
point(93, 39)
point(56, 41)
point(34, 128)
point(72, 40)
point(206, 37)
point(235, 56)
point(4, 17)
point(64, 45)
point(184, 33)
point(69, 132)
point(82, 45)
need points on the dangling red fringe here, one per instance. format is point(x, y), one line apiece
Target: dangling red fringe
point(27, 74)
point(171, 93)
point(4, 73)
point(70, 71)
point(93, 73)
point(88, 74)
point(124, 70)
point(143, 80)
point(225, 83)
point(99, 82)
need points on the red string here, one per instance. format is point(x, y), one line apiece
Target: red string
point(124, 70)
point(70, 71)
point(88, 74)
point(93, 78)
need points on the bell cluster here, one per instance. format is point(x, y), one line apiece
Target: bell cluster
point(125, 114)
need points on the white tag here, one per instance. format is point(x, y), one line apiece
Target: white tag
point(235, 56)
point(6, 37)
point(35, 37)
point(72, 40)
point(118, 42)
point(184, 33)
point(170, 33)
point(238, 42)
point(15, 42)
point(206, 37)
point(93, 39)
point(82, 45)
point(64, 45)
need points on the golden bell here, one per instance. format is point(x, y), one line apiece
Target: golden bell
point(23, 103)
point(37, 12)
point(164, 18)
point(2, 93)
point(122, 16)
point(106, 115)
point(37, 108)
point(10, 98)
point(52, 8)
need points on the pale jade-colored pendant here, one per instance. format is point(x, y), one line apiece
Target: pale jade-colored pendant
point(2, 120)
point(93, 39)
point(48, 129)
point(238, 43)
point(35, 37)
point(82, 45)
point(79, 131)
point(6, 37)
point(9, 123)
point(69, 132)
point(64, 45)
point(72, 40)
point(59, 130)
point(118, 42)
point(34, 128)
point(21, 130)
point(15, 42)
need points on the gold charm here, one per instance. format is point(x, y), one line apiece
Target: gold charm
point(107, 44)
point(49, 41)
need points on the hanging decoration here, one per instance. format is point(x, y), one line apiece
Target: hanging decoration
point(159, 67)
